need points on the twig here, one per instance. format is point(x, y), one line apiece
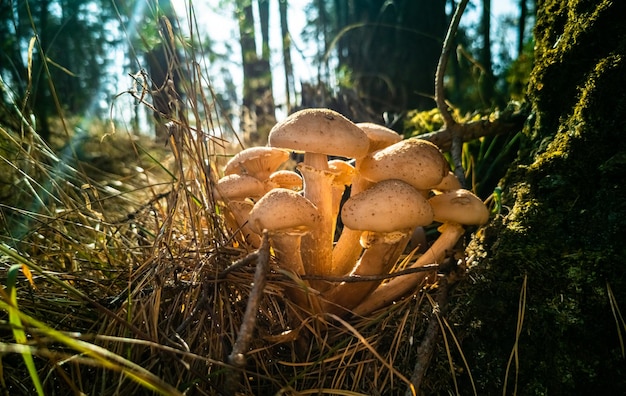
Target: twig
point(237, 357)
point(448, 120)
point(508, 121)
point(238, 264)
point(369, 278)
point(427, 346)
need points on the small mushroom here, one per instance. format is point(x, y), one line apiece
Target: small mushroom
point(449, 182)
point(285, 179)
point(258, 162)
point(414, 161)
point(386, 215)
point(236, 191)
point(239, 187)
point(319, 133)
point(459, 206)
point(455, 209)
point(287, 216)
point(379, 136)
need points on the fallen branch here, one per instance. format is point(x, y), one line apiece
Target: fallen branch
point(370, 278)
point(508, 121)
point(237, 357)
point(427, 346)
point(448, 121)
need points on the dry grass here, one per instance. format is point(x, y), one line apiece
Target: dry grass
point(143, 274)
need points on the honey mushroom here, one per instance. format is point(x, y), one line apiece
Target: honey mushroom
point(385, 215)
point(287, 216)
point(414, 161)
point(346, 250)
point(391, 182)
point(258, 162)
point(319, 133)
point(455, 209)
point(449, 182)
point(238, 192)
point(286, 179)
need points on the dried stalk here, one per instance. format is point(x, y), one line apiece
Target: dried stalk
point(448, 120)
point(237, 357)
point(427, 346)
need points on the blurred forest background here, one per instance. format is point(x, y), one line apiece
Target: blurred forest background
point(366, 59)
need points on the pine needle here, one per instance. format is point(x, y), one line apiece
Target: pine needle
point(518, 331)
point(619, 319)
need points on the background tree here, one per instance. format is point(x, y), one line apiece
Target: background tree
point(290, 88)
point(387, 51)
point(258, 110)
point(165, 66)
point(543, 312)
point(69, 55)
point(487, 79)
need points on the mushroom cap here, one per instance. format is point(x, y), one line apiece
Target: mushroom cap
point(414, 161)
point(239, 187)
point(286, 179)
point(459, 206)
point(388, 206)
point(449, 182)
point(283, 210)
point(379, 136)
point(259, 162)
point(322, 131)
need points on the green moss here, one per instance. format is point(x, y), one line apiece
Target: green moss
point(565, 226)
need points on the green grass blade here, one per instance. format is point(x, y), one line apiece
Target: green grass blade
point(18, 329)
point(98, 356)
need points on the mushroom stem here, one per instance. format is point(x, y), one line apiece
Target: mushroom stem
point(240, 211)
point(347, 249)
point(346, 252)
point(317, 245)
point(386, 293)
point(316, 160)
point(287, 251)
point(382, 252)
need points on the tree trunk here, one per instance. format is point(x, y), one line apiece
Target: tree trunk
point(290, 87)
point(521, 28)
point(258, 112)
point(390, 50)
point(264, 21)
point(562, 224)
point(487, 79)
point(42, 103)
point(166, 75)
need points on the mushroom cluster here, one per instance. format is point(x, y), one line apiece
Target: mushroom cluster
point(395, 185)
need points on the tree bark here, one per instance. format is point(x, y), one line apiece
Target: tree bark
point(290, 87)
point(521, 28)
point(258, 110)
point(487, 80)
point(562, 224)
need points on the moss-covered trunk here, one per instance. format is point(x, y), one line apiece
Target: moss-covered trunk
point(564, 227)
